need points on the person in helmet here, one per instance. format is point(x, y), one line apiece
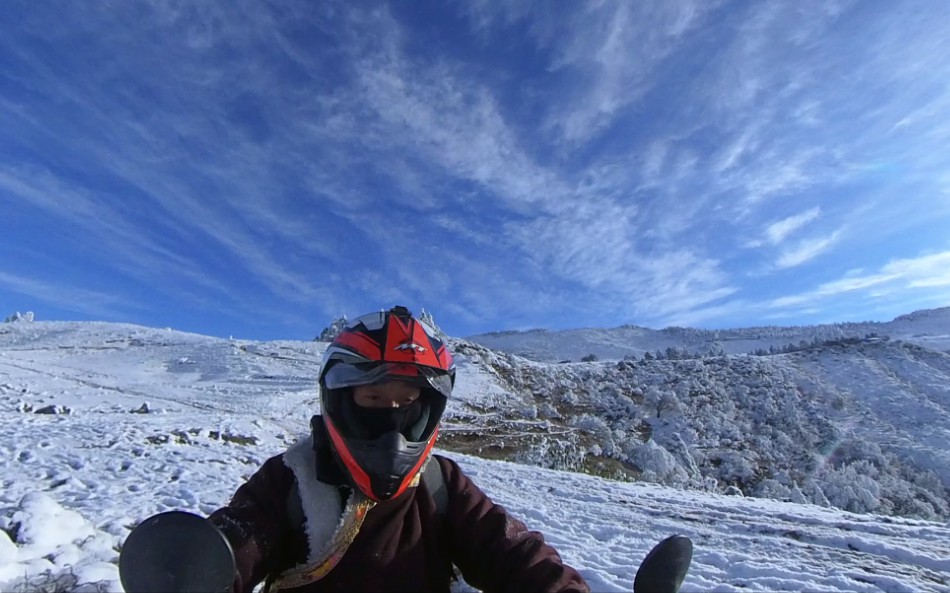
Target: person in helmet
point(381, 442)
point(362, 504)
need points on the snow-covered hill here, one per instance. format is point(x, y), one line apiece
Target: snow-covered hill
point(102, 425)
point(930, 328)
point(862, 425)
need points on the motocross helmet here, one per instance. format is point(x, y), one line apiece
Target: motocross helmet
point(382, 450)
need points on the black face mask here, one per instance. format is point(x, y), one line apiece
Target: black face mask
point(376, 422)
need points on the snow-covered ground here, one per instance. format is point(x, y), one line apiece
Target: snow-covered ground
point(143, 421)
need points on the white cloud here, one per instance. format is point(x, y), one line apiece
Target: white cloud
point(654, 159)
point(778, 231)
point(923, 272)
point(903, 283)
point(680, 281)
point(805, 250)
point(896, 277)
point(614, 67)
point(731, 154)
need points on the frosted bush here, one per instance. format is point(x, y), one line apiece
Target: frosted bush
point(553, 454)
point(426, 317)
point(590, 423)
point(814, 494)
point(770, 488)
point(735, 468)
point(797, 496)
point(547, 410)
point(657, 464)
point(850, 488)
point(852, 450)
point(333, 330)
point(599, 430)
point(529, 412)
point(677, 447)
point(662, 402)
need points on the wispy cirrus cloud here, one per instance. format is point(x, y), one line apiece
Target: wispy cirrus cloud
point(441, 116)
point(861, 291)
point(604, 55)
point(776, 232)
point(926, 271)
point(194, 170)
point(805, 250)
point(618, 65)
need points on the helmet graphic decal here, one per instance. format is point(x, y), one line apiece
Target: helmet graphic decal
point(360, 343)
point(410, 346)
point(408, 342)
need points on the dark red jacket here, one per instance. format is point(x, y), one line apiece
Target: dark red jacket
point(403, 545)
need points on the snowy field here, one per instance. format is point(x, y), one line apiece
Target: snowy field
point(142, 421)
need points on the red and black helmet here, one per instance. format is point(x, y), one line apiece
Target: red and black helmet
point(376, 348)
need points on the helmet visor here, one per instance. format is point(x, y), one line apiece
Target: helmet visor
point(342, 375)
point(374, 321)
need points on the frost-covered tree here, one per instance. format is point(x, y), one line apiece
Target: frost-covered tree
point(598, 429)
point(657, 464)
point(24, 317)
point(333, 330)
point(663, 401)
point(427, 318)
point(852, 487)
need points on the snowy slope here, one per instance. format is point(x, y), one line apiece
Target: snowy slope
point(153, 420)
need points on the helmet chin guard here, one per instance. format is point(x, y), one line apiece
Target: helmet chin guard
point(382, 468)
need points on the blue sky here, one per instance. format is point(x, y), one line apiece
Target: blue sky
point(256, 169)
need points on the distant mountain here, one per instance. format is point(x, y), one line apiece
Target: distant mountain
point(930, 328)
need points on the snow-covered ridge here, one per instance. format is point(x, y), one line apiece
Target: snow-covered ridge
point(929, 328)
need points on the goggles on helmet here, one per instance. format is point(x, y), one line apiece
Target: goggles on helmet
point(374, 321)
point(342, 375)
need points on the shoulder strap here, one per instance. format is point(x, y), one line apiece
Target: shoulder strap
point(435, 484)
